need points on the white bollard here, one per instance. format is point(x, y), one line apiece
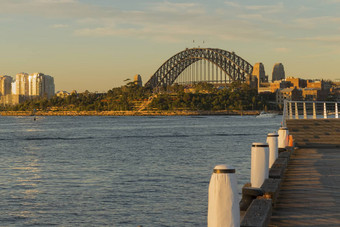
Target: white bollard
point(283, 137)
point(272, 139)
point(223, 201)
point(259, 164)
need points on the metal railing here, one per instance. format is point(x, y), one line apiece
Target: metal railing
point(309, 110)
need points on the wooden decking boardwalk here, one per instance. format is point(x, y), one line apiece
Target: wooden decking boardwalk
point(310, 192)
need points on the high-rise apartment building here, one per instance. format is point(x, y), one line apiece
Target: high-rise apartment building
point(278, 72)
point(25, 87)
point(40, 85)
point(259, 73)
point(49, 88)
point(5, 85)
point(21, 84)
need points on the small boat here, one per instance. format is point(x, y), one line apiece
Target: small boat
point(264, 114)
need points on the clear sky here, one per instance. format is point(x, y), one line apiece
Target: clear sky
point(97, 44)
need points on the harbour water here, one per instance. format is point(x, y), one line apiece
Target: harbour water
point(119, 171)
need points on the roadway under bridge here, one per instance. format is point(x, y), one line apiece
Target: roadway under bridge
point(201, 65)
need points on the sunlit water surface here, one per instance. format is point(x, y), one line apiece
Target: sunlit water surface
point(119, 171)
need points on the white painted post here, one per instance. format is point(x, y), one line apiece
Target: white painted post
point(290, 111)
point(314, 111)
point(336, 110)
point(285, 113)
point(283, 137)
point(304, 111)
point(259, 164)
point(296, 111)
point(272, 140)
point(223, 200)
point(324, 110)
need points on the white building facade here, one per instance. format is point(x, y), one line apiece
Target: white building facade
point(40, 85)
point(21, 84)
point(26, 86)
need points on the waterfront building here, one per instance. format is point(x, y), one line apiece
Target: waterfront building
point(290, 94)
point(314, 94)
point(49, 88)
point(5, 85)
point(335, 92)
point(297, 82)
point(13, 99)
point(41, 85)
point(264, 88)
point(259, 73)
point(62, 94)
point(279, 85)
point(138, 80)
point(252, 81)
point(320, 84)
point(14, 89)
point(21, 84)
point(278, 72)
point(24, 87)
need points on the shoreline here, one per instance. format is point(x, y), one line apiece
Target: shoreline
point(128, 113)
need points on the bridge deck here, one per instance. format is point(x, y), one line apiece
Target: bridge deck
point(310, 192)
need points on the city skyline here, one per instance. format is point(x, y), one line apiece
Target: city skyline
point(96, 45)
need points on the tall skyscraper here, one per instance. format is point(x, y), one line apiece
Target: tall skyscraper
point(41, 85)
point(5, 85)
point(259, 73)
point(278, 72)
point(49, 88)
point(14, 89)
point(21, 84)
point(25, 87)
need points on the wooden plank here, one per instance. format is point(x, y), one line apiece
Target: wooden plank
point(315, 132)
point(309, 194)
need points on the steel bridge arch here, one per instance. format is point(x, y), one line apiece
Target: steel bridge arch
point(234, 66)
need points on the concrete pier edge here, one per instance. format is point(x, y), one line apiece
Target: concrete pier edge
point(257, 203)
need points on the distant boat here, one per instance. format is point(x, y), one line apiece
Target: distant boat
point(264, 114)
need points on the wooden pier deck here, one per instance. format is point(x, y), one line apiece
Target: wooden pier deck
point(310, 191)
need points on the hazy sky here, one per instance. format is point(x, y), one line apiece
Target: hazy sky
point(97, 44)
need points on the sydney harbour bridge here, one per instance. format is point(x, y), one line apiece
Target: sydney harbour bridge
point(201, 65)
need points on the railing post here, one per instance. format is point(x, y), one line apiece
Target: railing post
point(290, 111)
point(336, 110)
point(324, 110)
point(285, 113)
point(304, 111)
point(314, 111)
point(296, 111)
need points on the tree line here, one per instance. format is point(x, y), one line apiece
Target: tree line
point(200, 96)
point(204, 96)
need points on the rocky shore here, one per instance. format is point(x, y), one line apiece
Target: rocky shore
point(126, 113)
